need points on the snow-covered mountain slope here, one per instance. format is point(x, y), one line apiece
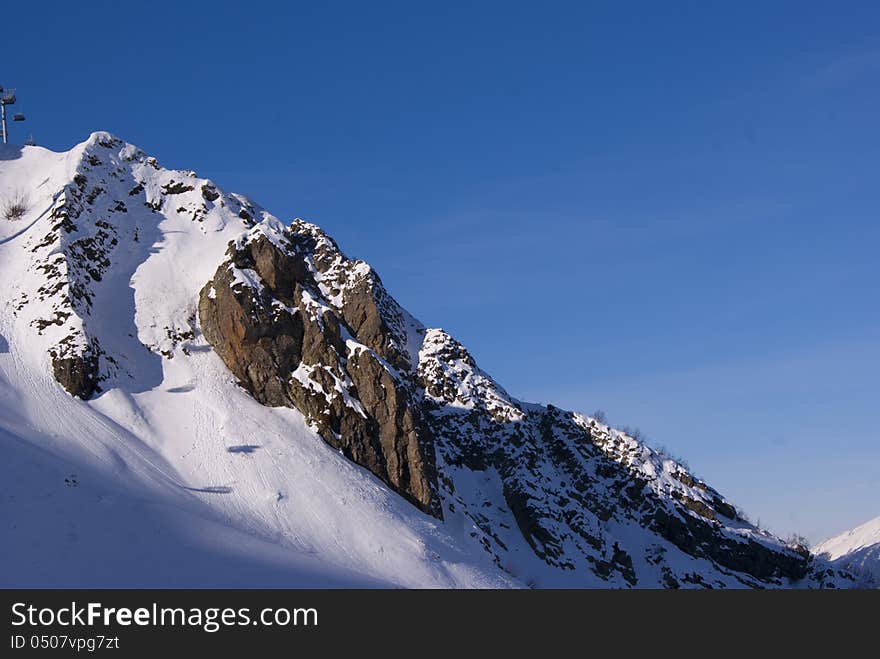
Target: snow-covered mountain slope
point(858, 548)
point(170, 474)
point(193, 393)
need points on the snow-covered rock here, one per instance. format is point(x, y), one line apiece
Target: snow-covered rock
point(245, 405)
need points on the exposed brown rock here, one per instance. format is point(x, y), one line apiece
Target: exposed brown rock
point(362, 314)
point(78, 374)
point(287, 349)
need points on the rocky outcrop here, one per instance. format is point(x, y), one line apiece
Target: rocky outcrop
point(266, 315)
point(77, 373)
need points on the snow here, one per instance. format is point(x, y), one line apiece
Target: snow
point(858, 548)
point(303, 373)
point(866, 535)
point(246, 277)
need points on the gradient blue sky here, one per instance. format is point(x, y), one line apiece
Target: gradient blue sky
point(668, 211)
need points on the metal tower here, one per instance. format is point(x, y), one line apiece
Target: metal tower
point(7, 97)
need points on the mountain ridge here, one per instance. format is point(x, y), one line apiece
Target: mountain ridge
point(135, 273)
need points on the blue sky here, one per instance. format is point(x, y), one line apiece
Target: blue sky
point(668, 211)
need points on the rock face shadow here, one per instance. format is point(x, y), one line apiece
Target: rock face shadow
point(126, 364)
point(104, 229)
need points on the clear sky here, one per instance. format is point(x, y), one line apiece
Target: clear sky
point(668, 211)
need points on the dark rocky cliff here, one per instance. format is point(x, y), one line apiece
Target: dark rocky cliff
point(267, 318)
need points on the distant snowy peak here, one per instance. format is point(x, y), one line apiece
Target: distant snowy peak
point(858, 548)
point(861, 537)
